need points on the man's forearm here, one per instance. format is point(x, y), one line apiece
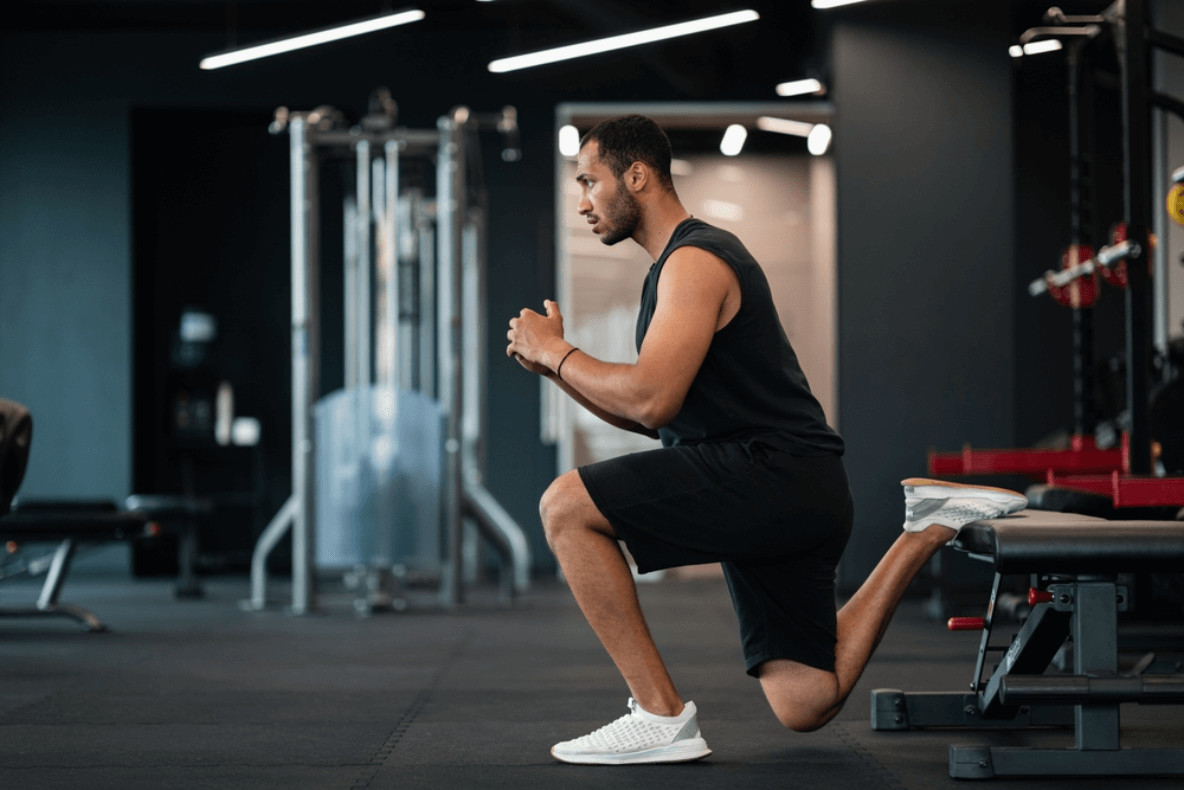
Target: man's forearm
point(612, 419)
point(621, 391)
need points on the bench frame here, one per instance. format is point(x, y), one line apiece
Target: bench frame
point(1085, 607)
point(68, 525)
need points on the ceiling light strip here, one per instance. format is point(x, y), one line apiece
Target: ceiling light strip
point(824, 4)
point(767, 123)
point(800, 88)
point(311, 39)
point(621, 42)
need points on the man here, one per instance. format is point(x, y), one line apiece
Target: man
point(749, 474)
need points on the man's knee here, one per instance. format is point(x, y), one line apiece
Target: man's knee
point(802, 698)
point(804, 718)
point(555, 507)
point(566, 507)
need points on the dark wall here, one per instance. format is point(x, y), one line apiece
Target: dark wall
point(926, 285)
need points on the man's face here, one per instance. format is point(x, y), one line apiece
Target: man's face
point(605, 201)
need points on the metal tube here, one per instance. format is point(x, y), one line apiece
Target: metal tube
point(473, 346)
point(392, 271)
point(500, 529)
point(305, 357)
point(363, 304)
point(1133, 60)
point(449, 197)
point(1080, 228)
point(349, 291)
point(267, 541)
point(428, 323)
point(1085, 690)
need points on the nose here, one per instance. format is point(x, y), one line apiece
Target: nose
point(584, 206)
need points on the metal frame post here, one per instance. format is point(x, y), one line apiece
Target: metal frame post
point(1136, 132)
point(305, 365)
point(1095, 654)
point(363, 300)
point(1081, 230)
point(388, 239)
point(449, 202)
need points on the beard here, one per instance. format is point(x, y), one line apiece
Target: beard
point(620, 216)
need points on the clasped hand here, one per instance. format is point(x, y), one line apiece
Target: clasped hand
point(535, 340)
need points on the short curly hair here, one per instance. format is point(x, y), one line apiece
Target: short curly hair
point(632, 138)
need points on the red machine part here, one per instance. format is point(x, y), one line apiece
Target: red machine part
point(1038, 596)
point(1082, 457)
point(1124, 490)
point(1116, 275)
point(966, 623)
point(1082, 292)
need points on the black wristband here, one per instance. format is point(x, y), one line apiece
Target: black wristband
point(559, 370)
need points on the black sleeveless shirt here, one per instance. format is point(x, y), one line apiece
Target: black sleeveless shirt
point(750, 385)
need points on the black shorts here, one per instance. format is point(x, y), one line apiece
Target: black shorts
point(777, 522)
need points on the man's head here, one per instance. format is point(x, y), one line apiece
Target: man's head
point(632, 138)
point(621, 162)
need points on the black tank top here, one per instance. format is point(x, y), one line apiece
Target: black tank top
point(750, 384)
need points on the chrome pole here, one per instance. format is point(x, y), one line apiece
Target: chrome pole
point(449, 211)
point(305, 358)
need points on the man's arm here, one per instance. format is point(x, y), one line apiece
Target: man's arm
point(692, 292)
point(611, 419)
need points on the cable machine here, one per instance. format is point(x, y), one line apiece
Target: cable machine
point(414, 333)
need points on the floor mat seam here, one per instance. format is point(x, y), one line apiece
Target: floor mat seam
point(409, 715)
point(893, 781)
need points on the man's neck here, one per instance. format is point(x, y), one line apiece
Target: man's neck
point(658, 223)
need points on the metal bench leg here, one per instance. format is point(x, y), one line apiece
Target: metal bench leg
point(47, 603)
point(188, 585)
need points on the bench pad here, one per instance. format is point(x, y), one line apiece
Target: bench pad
point(1035, 541)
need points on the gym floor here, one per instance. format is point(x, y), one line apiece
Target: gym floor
point(199, 694)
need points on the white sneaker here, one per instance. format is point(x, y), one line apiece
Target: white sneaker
point(638, 737)
point(954, 505)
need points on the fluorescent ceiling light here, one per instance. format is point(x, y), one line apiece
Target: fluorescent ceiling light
point(311, 39)
point(823, 4)
point(818, 135)
point(784, 126)
point(1040, 47)
point(621, 42)
point(819, 139)
point(800, 87)
point(569, 140)
point(733, 142)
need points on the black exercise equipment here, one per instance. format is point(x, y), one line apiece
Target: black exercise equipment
point(1074, 561)
point(183, 516)
point(67, 523)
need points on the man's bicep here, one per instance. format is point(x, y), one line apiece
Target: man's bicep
point(691, 293)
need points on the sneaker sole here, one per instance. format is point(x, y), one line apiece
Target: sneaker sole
point(924, 488)
point(684, 751)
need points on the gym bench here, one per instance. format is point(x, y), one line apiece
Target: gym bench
point(69, 524)
point(1074, 562)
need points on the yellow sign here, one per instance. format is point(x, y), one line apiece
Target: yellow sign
point(1176, 203)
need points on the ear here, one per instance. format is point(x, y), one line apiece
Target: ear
point(637, 176)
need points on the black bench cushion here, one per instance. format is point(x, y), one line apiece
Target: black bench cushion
point(49, 525)
point(1034, 541)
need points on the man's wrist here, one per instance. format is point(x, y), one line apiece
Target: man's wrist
point(556, 355)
